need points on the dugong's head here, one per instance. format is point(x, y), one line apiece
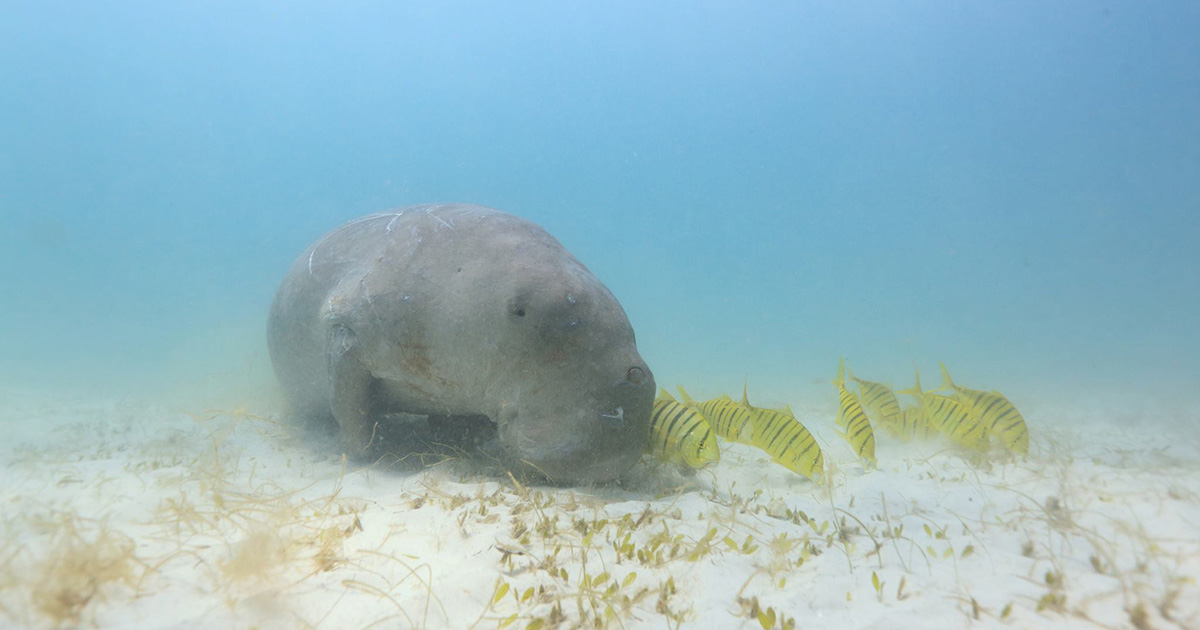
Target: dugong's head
point(576, 403)
point(570, 395)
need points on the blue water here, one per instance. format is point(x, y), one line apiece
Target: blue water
point(1011, 187)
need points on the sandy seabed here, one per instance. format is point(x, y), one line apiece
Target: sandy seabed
point(127, 514)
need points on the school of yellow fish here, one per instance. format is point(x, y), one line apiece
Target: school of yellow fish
point(684, 432)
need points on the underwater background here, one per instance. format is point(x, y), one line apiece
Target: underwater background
point(1013, 188)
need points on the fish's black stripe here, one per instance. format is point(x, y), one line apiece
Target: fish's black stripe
point(1017, 420)
point(961, 424)
point(720, 418)
point(974, 395)
point(661, 410)
point(738, 418)
point(1006, 412)
point(670, 429)
point(722, 424)
point(1010, 413)
point(741, 419)
point(689, 424)
point(687, 434)
point(874, 394)
point(793, 431)
point(776, 422)
point(954, 420)
point(783, 430)
point(660, 436)
point(983, 413)
point(788, 446)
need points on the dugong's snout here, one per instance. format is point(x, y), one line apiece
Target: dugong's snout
point(574, 436)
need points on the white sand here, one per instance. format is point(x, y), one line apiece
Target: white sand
point(131, 515)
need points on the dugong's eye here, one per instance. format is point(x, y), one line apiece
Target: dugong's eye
point(636, 375)
point(518, 305)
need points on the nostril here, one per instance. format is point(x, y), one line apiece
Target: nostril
point(636, 375)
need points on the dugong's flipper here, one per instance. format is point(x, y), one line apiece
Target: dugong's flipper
point(351, 387)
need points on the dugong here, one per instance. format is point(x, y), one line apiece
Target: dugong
point(455, 310)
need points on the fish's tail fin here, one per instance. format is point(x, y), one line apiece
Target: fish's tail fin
point(840, 380)
point(947, 382)
point(915, 390)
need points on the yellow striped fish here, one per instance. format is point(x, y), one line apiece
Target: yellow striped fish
point(877, 399)
point(680, 435)
point(950, 417)
point(994, 411)
point(853, 420)
point(913, 424)
point(893, 427)
point(728, 418)
point(787, 441)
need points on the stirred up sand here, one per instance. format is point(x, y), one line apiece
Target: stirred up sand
point(123, 514)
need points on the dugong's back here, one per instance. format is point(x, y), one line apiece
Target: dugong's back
point(387, 250)
point(297, 340)
point(457, 309)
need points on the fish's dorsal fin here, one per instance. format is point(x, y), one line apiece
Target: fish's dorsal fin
point(663, 394)
point(840, 380)
point(687, 399)
point(947, 382)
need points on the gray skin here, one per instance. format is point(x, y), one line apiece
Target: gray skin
point(456, 310)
